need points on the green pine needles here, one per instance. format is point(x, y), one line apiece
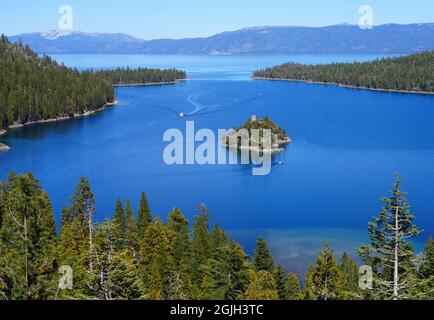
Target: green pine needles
point(139, 256)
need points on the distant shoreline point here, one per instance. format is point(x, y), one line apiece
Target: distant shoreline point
point(150, 84)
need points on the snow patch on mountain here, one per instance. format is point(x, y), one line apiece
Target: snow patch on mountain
point(55, 34)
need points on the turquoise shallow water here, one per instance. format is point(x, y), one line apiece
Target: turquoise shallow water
point(297, 248)
point(347, 146)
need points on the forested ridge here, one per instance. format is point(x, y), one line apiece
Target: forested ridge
point(409, 73)
point(139, 256)
point(125, 76)
point(36, 88)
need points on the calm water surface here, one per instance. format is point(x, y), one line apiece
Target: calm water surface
point(347, 146)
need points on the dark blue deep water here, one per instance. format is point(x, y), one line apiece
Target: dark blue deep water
point(347, 146)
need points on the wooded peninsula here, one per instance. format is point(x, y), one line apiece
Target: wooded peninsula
point(38, 89)
point(412, 73)
point(141, 76)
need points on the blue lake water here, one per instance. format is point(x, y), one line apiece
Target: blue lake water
point(347, 146)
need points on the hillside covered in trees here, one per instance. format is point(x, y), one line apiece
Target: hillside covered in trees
point(127, 76)
point(34, 88)
point(413, 73)
point(138, 256)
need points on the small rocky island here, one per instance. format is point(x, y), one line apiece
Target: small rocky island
point(238, 137)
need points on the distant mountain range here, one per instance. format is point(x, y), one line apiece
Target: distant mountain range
point(344, 38)
point(79, 42)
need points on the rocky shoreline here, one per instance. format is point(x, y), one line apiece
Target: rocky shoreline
point(4, 147)
point(277, 147)
point(274, 143)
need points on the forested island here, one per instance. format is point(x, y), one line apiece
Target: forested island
point(244, 137)
point(38, 89)
point(142, 76)
point(412, 73)
point(139, 256)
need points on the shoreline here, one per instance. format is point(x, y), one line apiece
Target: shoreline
point(277, 147)
point(346, 86)
point(4, 147)
point(149, 84)
point(88, 113)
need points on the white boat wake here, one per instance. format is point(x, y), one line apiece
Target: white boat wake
point(201, 109)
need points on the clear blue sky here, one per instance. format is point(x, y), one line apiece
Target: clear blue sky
point(190, 18)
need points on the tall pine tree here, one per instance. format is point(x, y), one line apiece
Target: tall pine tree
point(390, 252)
point(261, 287)
point(350, 276)
point(27, 241)
point(82, 205)
point(178, 226)
point(426, 272)
point(281, 281)
point(144, 217)
point(324, 279)
point(120, 224)
point(132, 237)
point(201, 245)
point(263, 260)
point(293, 288)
